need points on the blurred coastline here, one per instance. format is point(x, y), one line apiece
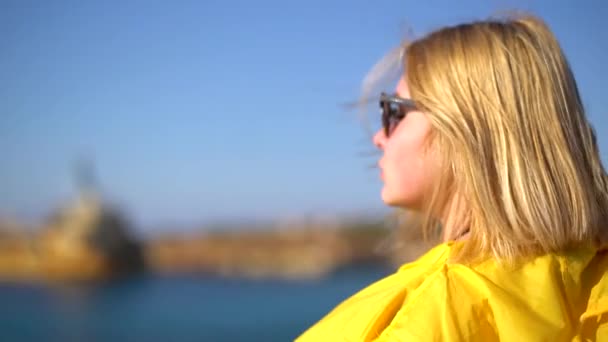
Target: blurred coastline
point(88, 241)
point(84, 274)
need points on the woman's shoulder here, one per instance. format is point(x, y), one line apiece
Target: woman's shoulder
point(365, 314)
point(545, 298)
point(431, 298)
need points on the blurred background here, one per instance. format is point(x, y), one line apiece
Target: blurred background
point(186, 170)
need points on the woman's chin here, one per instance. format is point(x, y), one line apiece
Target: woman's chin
point(390, 199)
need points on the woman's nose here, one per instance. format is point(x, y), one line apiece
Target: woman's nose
point(379, 139)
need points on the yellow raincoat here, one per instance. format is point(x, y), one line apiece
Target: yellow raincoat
point(550, 298)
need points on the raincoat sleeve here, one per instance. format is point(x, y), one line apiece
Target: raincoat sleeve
point(442, 309)
point(551, 298)
point(458, 304)
point(439, 311)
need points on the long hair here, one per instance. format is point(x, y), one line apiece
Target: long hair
point(518, 153)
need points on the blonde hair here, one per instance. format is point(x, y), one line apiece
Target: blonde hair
point(511, 131)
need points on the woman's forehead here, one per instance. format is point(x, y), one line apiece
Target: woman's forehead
point(402, 89)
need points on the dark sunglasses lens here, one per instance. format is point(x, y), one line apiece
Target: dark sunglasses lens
point(385, 115)
point(395, 116)
point(392, 113)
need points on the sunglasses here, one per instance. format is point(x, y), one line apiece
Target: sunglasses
point(394, 109)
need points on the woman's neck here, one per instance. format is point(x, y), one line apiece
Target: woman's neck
point(455, 222)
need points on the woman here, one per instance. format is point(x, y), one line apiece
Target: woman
point(486, 135)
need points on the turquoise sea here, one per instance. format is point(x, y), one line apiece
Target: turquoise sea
point(176, 308)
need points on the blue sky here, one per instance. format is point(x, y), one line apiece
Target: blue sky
point(199, 111)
